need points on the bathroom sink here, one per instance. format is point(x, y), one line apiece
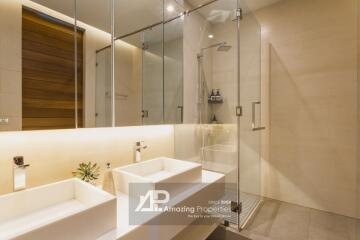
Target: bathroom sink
point(161, 173)
point(70, 209)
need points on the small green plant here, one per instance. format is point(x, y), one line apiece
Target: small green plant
point(87, 172)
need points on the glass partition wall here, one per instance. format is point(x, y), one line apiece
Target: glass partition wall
point(200, 67)
point(222, 63)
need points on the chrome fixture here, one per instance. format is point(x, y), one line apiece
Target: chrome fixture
point(19, 172)
point(202, 87)
point(253, 117)
point(138, 147)
point(221, 47)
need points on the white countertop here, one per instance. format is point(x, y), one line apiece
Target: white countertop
point(123, 226)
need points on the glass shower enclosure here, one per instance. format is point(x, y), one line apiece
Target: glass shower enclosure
point(227, 56)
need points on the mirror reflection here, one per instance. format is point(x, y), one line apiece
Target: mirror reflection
point(148, 75)
point(45, 90)
point(37, 67)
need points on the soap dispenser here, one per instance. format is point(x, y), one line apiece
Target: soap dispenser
point(108, 183)
point(212, 96)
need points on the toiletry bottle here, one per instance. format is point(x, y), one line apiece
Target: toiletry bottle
point(218, 97)
point(212, 96)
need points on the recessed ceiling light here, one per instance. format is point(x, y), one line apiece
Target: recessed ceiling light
point(211, 36)
point(170, 8)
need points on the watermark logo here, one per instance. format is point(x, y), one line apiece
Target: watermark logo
point(153, 199)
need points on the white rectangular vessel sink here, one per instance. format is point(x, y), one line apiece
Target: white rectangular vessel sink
point(160, 173)
point(70, 209)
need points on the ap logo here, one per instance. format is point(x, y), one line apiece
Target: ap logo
point(154, 198)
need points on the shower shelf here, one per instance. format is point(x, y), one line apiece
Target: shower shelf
point(215, 102)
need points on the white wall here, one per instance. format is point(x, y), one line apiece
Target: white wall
point(54, 155)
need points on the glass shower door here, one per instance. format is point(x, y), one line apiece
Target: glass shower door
point(152, 76)
point(103, 89)
point(210, 71)
point(249, 123)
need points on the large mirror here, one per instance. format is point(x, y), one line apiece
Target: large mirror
point(44, 41)
point(94, 16)
point(37, 66)
point(148, 69)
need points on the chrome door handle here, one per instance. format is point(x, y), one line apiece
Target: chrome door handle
point(253, 118)
point(144, 113)
point(182, 113)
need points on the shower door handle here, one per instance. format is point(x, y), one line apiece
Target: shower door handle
point(253, 117)
point(181, 113)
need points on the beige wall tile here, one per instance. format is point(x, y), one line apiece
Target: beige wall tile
point(10, 24)
point(310, 56)
point(10, 105)
point(10, 82)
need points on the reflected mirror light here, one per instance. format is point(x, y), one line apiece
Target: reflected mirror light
point(170, 8)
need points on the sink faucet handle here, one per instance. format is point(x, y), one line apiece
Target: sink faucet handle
point(19, 162)
point(140, 145)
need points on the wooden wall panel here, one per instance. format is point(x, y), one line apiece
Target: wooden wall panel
point(48, 79)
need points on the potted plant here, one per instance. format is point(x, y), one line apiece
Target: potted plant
point(87, 172)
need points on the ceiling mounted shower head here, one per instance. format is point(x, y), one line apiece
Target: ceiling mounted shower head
point(224, 47)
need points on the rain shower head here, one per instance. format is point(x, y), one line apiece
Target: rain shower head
point(220, 47)
point(224, 47)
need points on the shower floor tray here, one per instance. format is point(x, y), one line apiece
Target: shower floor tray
point(249, 204)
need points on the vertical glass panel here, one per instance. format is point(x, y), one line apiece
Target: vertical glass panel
point(93, 16)
point(139, 78)
point(128, 80)
point(153, 76)
point(250, 122)
point(103, 88)
point(173, 71)
point(139, 65)
point(210, 89)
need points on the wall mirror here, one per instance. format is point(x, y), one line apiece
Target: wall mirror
point(148, 65)
point(37, 66)
point(40, 89)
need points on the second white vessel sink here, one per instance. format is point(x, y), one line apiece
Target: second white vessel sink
point(159, 173)
point(70, 209)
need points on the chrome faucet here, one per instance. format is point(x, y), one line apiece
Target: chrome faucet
point(19, 172)
point(138, 147)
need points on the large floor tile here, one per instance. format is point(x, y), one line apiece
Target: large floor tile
point(264, 220)
point(291, 223)
point(328, 226)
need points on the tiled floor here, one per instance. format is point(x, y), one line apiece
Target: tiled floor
point(283, 221)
